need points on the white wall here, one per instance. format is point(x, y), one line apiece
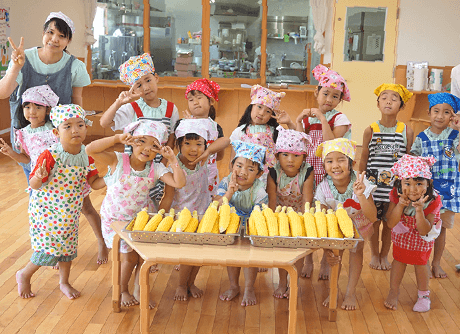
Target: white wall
point(28, 16)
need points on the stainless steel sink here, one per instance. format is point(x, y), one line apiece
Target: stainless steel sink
point(289, 79)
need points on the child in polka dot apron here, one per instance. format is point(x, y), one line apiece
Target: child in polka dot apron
point(322, 123)
point(290, 183)
point(129, 179)
point(202, 96)
point(414, 219)
point(58, 180)
point(442, 142)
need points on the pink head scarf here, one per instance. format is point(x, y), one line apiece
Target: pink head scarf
point(330, 78)
point(292, 141)
point(266, 97)
point(409, 167)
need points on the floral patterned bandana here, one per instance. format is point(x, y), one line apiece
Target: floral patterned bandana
point(342, 145)
point(202, 127)
point(440, 98)
point(292, 141)
point(266, 97)
point(409, 167)
point(135, 68)
point(42, 95)
point(63, 112)
point(330, 78)
point(63, 17)
point(400, 89)
point(249, 151)
point(207, 87)
point(146, 127)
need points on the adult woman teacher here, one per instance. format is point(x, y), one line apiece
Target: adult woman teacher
point(52, 65)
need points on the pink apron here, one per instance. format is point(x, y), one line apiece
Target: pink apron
point(290, 195)
point(35, 143)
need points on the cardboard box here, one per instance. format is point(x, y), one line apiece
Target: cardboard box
point(185, 67)
point(184, 59)
point(185, 73)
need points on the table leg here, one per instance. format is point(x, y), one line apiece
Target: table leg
point(145, 291)
point(116, 267)
point(333, 289)
point(293, 288)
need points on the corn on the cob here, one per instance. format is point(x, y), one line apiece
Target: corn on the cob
point(309, 222)
point(154, 221)
point(193, 223)
point(142, 219)
point(294, 222)
point(277, 210)
point(259, 222)
point(209, 218)
point(175, 226)
point(251, 225)
point(304, 232)
point(283, 223)
point(272, 221)
point(345, 222)
point(224, 215)
point(320, 220)
point(332, 225)
point(130, 225)
point(184, 219)
point(234, 222)
point(166, 223)
point(215, 228)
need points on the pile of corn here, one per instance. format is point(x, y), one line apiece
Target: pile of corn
point(285, 222)
point(215, 220)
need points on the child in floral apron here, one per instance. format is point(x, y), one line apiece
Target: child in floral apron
point(343, 185)
point(258, 125)
point(290, 183)
point(244, 189)
point(413, 215)
point(129, 179)
point(58, 179)
point(191, 138)
point(201, 95)
point(441, 141)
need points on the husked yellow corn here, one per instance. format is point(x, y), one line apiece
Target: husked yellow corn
point(259, 222)
point(283, 223)
point(209, 218)
point(184, 219)
point(224, 215)
point(234, 222)
point(215, 228)
point(272, 221)
point(166, 223)
point(251, 225)
point(294, 222)
point(193, 223)
point(309, 222)
point(320, 220)
point(142, 219)
point(332, 225)
point(304, 233)
point(131, 225)
point(345, 222)
point(154, 221)
point(278, 210)
point(175, 226)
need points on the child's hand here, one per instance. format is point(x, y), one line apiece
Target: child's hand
point(168, 153)
point(203, 158)
point(358, 186)
point(187, 114)
point(418, 205)
point(41, 171)
point(17, 56)
point(233, 185)
point(403, 199)
point(128, 96)
point(5, 148)
point(315, 112)
point(304, 114)
point(331, 259)
point(282, 117)
point(125, 139)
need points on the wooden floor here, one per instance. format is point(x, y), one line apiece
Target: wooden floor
point(51, 312)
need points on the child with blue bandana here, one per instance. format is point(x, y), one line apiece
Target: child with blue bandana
point(441, 142)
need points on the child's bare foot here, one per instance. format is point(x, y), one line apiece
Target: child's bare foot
point(103, 253)
point(249, 297)
point(195, 292)
point(153, 269)
point(177, 267)
point(137, 297)
point(384, 263)
point(181, 293)
point(69, 291)
point(307, 270)
point(324, 271)
point(280, 291)
point(349, 303)
point(56, 267)
point(24, 286)
point(326, 301)
point(437, 271)
point(375, 262)
point(230, 294)
point(392, 300)
point(262, 270)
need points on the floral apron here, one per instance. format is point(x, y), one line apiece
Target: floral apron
point(55, 209)
point(35, 143)
point(124, 199)
point(290, 195)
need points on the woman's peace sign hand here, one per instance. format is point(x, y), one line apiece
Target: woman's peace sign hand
point(17, 56)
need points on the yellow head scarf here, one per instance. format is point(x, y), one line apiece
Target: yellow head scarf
point(400, 89)
point(342, 145)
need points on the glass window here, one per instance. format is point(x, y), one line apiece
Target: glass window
point(235, 35)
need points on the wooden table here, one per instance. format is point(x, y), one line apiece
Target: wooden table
point(241, 254)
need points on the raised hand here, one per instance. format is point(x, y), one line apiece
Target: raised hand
point(168, 153)
point(41, 171)
point(17, 56)
point(282, 117)
point(304, 114)
point(403, 199)
point(5, 148)
point(358, 185)
point(128, 96)
point(233, 184)
point(315, 112)
point(187, 114)
point(418, 205)
point(126, 139)
point(203, 158)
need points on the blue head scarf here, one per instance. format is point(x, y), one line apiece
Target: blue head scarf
point(440, 98)
point(249, 151)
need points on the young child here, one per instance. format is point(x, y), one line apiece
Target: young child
point(244, 190)
point(384, 143)
point(191, 138)
point(258, 126)
point(141, 101)
point(413, 212)
point(343, 185)
point(128, 180)
point(202, 94)
point(441, 141)
point(290, 183)
point(54, 226)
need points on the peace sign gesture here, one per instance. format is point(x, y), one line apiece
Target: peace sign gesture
point(232, 185)
point(282, 117)
point(418, 205)
point(41, 171)
point(358, 185)
point(187, 114)
point(128, 96)
point(403, 198)
point(17, 56)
